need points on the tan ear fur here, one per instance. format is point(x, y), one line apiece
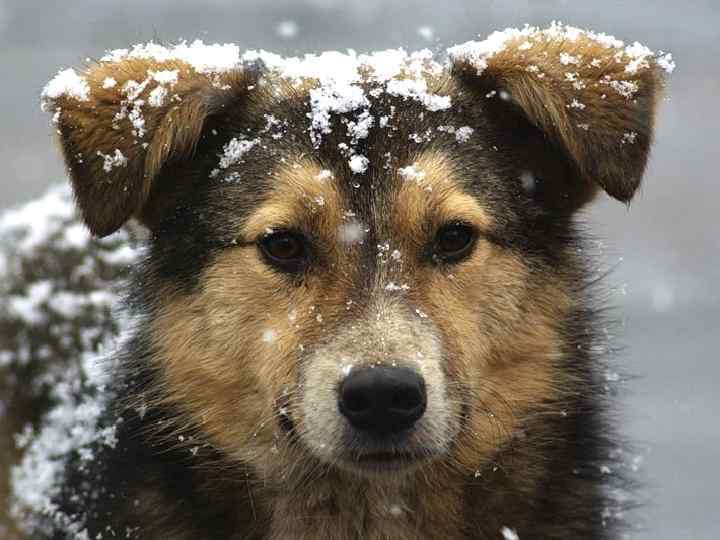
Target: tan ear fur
point(595, 101)
point(138, 115)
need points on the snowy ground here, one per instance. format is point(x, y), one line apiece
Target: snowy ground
point(669, 244)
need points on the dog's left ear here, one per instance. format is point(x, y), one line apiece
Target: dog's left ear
point(123, 121)
point(590, 97)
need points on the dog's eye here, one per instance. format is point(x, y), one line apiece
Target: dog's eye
point(454, 241)
point(284, 249)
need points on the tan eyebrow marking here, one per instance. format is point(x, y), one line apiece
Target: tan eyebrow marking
point(303, 195)
point(430, 195)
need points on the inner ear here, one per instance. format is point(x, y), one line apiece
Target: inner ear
point(546, 172)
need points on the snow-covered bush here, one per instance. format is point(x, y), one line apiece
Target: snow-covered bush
point(58, 310)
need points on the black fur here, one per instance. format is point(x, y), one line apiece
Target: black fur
point(153, 484)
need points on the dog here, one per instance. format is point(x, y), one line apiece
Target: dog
point(362, 308)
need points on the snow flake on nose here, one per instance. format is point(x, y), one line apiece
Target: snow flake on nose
point(394, 287)
point(346, 368)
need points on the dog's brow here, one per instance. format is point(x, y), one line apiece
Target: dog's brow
point(430, 194)
point(302, 194)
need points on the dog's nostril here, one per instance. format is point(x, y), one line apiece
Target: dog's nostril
point(406, 399)
point(381, 399)
point(355, 400)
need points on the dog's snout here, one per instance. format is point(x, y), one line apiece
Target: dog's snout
point(382, 399)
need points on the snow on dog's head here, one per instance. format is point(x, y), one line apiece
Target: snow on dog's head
point(428, 334)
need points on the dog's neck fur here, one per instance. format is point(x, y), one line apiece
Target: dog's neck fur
point(438, 501)
point(341, 507)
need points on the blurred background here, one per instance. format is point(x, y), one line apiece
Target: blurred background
point(665, 249)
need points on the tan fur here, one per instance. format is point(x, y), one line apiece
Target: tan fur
point(222, 373)
point(90, 130)
point(516, 363)
point(246, 347)
point(217, 347)
point(578, 107)
point(433, 199)
point(300, 198)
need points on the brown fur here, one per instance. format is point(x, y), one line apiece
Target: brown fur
point(90, 129)
point(248, 346)
point(536, 81)
point(519, 365)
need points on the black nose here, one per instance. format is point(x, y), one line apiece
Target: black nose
point(382, 399)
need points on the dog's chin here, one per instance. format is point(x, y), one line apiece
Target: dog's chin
point(390, 462)
point(383, 463)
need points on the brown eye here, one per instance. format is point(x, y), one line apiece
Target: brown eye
point(454, 242)
point(285, 250)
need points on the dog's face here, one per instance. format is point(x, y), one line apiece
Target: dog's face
point(373, 276)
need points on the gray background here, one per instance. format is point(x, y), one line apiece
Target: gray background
point(664, 249)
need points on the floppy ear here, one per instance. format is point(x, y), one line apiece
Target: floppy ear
point(588, 94)
point(122, 121)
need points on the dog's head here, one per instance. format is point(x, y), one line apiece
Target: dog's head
point(365, 262)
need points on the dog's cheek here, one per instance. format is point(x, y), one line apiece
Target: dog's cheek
point(478, 307)
point(223, 361)
point(470, 303)
point(457, 325)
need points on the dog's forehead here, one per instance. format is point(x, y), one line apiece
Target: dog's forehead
point(356, 134)
point(388, 157)
point(352, 105)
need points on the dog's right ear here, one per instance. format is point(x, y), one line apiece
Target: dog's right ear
point(590, 99)
point(122, 121)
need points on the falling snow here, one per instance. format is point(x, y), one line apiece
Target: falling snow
point(287, 29)
point(426, 32)
point(352, 232)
